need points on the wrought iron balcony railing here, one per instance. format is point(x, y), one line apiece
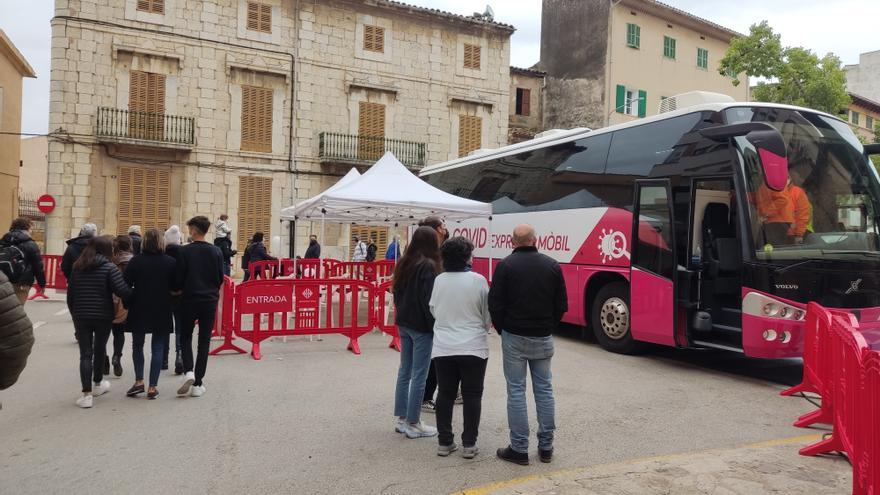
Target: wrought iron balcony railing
point(121, 124)
point(356, 148)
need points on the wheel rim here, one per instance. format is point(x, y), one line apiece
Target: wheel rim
point(614, 318)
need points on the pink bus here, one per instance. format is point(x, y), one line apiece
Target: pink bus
point(710, 226)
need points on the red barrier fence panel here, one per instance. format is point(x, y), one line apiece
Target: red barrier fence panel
point(288, 307)
point(384, 306)
point(305, 268)
point(370, 271)
point(223, 323)
point(55, 278)
point(817, 365)
point(866, 475)
point(266, 269)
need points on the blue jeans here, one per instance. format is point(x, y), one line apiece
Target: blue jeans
point(415, 357)
point(157, 352)
point(535, 352)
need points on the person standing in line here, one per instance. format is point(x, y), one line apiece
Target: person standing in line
point(460, 306)
point(527, 301)
point(134, 232)
point(121, 256)
point(75, 248)
point(360, 250)
point(371, 249)
point(173, 243)
point(92, 284)
point(256, 251)
point(152, 274)
point(200, 276)
point(224, 244)
point(313, 252)
point(21, 260)
point(393, 251)
point(413, 281)
point(16, 335)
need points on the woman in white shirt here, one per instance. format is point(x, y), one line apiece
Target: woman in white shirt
point(459, 303)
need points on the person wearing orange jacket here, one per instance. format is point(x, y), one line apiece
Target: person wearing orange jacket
point(803, 212)
point(776, 211)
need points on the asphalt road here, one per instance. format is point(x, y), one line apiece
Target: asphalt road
point(314, 418)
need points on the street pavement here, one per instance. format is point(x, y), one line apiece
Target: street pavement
point(312, 418)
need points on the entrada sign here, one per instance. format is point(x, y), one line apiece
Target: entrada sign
point(260, 298)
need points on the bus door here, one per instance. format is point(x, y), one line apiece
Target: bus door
point(652, 276)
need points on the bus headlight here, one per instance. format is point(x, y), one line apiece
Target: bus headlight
point(760, 305)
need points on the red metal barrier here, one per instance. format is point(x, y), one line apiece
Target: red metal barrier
point(306, 268)
point(817, 364)
point(223, 324)
point(866, 475)
point(303, 307)
point(55, 278)
point(369, 271)
point(384, 304)
point(266, 269)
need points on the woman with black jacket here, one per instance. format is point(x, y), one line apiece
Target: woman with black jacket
point(149, 312)
point(90, 291)
point(413, 282)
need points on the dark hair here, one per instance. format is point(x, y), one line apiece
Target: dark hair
point(456, 253)
point(422, 249)
point(258, 237)
point(154, 242)
point(101, 245)
point(201, 223)
point(224, 217)
point(20, 223)
point(435, 223)
point(122, 244)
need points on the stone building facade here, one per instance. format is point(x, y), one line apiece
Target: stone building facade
point(526, 104)
point(165, 109)
point(613, 62)
point(863, 78)
point(863, 115)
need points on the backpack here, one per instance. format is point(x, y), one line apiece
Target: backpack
point(12, 262)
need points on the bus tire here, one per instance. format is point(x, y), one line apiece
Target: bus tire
point(610, 319)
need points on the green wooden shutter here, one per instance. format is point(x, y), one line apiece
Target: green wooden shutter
point(620, 102)
point(643, 103)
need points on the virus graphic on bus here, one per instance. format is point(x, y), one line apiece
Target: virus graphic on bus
point(612, 245)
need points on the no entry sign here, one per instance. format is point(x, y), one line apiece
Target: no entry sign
point(46, 204)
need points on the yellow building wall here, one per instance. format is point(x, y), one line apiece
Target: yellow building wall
point(648, 70)
point(10, 122)
point(862, 129)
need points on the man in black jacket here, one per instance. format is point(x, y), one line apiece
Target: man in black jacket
point(224, 244)
point(75, 248)
point(256, 251)
point(526, 302)
point(200, 275)
point(19, 237)
point(314, 249)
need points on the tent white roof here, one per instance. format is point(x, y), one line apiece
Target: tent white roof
point(387, 193)
point(307, 207)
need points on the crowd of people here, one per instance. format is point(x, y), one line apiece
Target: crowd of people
point(444, 314)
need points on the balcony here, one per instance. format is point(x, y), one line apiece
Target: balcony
point(145, 128)
point(364, 150)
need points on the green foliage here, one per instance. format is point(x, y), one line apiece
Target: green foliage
point(877, 131)
point(800, 76)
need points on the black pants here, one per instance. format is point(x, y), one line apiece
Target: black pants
point(92, 336)
point(204, 312)
point(118, 338)
point(430, 383)
point(469, 371)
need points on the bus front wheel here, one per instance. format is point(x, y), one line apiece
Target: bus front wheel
point(611, 318)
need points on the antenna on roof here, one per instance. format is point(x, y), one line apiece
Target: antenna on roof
point(489, 14)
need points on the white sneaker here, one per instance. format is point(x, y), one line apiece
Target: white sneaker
point(197, 391)
point(399, 425)
point(419, 430)
point(100, 388)
point(84, 402)
point(188, 380)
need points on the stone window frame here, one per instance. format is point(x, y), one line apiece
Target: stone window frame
point(360, 51)
point(458, 108)
point(126, 61)
point(460, 69)
point(358, 94)
point(242, 31)
point(239, 77)
point(133, 14)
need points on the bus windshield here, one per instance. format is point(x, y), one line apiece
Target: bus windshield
point(830, 207)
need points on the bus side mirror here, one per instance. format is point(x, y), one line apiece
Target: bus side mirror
point(872, 149)
point(767, 140)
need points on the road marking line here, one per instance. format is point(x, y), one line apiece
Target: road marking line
point(62, 312)
point(38, 324)
point(498, 485)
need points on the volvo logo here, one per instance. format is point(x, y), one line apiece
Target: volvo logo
point(854, 286)
point(787, 286)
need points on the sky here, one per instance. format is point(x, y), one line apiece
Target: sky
point(819, 25)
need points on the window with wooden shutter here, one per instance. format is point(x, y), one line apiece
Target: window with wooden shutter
point(146, 105)
point(472, 56)
point(259, 17)
point(470, 134)
point(151, 6)
point(374, 38)
point(256, 119)
point(144, 198)
point(364, 232)
point(254, 208)
point(371, 130)
point(523, 101)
